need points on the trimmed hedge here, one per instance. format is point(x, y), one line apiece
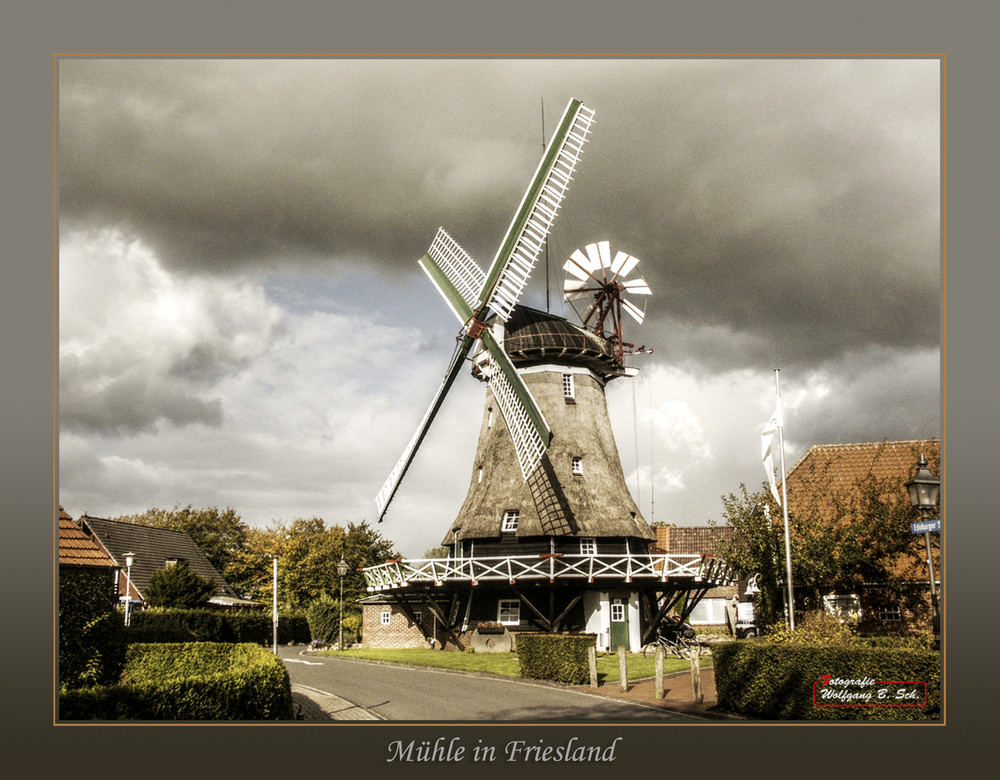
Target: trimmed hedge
point(188, 681)
point(775, 681)
point(558, 657)
point(208, 625)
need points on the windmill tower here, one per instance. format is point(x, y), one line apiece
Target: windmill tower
point(549, 537)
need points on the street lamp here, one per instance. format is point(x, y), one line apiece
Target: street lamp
point(925, 492)
point(341, 570)
point(274, 603)
point(129, 560)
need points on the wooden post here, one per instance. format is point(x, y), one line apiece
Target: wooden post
point(592, 657)
point(659, 672)
point(696, 694)
point(622, 668)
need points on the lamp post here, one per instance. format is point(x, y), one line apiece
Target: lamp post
point(129, 560)
point(274, 604)
point(925, 492)
point(341, 570)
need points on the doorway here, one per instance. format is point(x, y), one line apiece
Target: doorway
point(619, 623)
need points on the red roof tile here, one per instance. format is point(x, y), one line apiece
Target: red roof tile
point(691, 540)
point(828, 472)
point(77, 547)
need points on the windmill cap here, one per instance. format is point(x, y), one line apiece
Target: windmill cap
point(533, 337)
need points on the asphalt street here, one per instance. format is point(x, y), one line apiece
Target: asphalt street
point(369, 690)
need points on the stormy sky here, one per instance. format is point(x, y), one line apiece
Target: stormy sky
point(242, 321)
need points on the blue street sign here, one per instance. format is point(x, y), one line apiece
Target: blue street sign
point(925, 526)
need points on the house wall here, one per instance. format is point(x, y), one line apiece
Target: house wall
point(401, 632)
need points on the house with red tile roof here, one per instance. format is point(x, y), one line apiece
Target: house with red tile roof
point(77, 547)
point(86, 599)
point(824, 486)
point(705, 541)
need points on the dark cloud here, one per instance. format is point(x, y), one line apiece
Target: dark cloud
point(786, 213)
point(764, 196)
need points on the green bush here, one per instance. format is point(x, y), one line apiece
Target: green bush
point(558, 657)
point(324, 619)
point(188, 681)
point(815, 628)
point(778, 681)
point(352, 627)
point(91, 649)
point(209, 625)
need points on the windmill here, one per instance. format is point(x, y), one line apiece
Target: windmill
point(595, 275)
point(474, 295)
point(549, 537)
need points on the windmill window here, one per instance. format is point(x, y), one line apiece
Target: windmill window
point(510, 518)
point(386, 617)
point(588, 547)
point(578, 467)
point(569, 389)
point(509, 612)
point(416, 618)
point(890, 613)
point(480, 477)
point(489, 418)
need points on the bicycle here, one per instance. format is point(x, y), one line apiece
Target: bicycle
point(676, 639)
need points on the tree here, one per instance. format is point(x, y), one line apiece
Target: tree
point(757, 548)
point(178, 586)
point(308, 552)
point(838, 542)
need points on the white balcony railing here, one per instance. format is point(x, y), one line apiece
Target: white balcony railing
point(698, 570)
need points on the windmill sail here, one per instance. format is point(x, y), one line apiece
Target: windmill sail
point(531, 224)
point(396, 476)
point(472, 295)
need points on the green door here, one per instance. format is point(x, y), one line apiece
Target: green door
point(619, 623)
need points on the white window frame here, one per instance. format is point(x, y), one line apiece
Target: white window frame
point(569, 387)
point(577, 466)
point(890, 613)
point(588, 546)
point(512, 609)
point(618, 613)
point(845, 607)
point(386, 617)
point(511, 518)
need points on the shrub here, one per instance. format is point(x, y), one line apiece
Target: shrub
point(352, 627)
point(324, 619)
point(814, 628)
point(209, 625)
point(91, 650)
point(776, 681)
point(190, 681)
point(558, 657)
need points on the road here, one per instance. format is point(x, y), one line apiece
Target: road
point(422, 694)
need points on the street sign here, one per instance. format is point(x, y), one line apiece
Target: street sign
point(925, 526)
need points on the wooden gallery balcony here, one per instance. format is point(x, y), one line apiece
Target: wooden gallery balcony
point(680, 571)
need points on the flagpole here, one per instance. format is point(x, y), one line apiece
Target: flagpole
point(784, 501)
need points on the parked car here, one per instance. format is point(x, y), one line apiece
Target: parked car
point(746, 620)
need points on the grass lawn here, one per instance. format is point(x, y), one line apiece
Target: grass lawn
point(507, 664)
